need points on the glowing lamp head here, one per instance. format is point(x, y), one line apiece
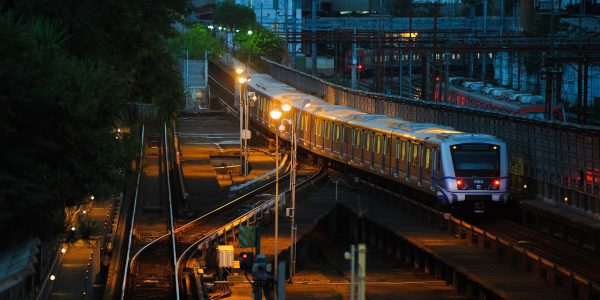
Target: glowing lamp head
point(239, 70)
point(249, 32)
point(242, 80)
point(286, 107)
point(275, 114)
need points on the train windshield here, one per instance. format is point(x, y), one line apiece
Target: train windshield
point(480, 160)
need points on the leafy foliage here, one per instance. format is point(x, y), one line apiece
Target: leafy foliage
point(57, 128)
point(263, 42)
point(196, 40)
point(129, 36)
point(233, 15)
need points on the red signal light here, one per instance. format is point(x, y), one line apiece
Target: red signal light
point(360, 67)
point(497, 182)
point(459, 182)
point(244, 256)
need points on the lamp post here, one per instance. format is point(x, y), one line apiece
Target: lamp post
point(243, 111)
point(294, 162)
point(275, 115)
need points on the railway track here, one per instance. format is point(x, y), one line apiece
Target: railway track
point(227, 215)
point(555, 261)
point(574, 258)
point(151, 273)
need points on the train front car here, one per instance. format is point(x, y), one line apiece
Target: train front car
point(475, 172)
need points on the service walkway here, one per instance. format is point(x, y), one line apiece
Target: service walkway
point(80, 264)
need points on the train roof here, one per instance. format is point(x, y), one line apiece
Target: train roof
point(383, 123)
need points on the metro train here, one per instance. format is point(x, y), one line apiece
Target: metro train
point(452, 166)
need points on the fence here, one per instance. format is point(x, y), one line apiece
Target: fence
point(557, 162)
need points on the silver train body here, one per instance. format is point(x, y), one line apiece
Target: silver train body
point(454, 166)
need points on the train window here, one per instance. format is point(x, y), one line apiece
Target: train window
point(337, 132)
point(384, 145)
point(427, 157)
point(404, 146)
point(368, 141)
point(328, 133)
point(415, 155)
point(378, 144)
point(358, 135)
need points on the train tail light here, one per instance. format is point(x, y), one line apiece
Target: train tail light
point(460, 184)
point(495, 184)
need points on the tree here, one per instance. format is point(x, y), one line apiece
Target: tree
point(196, 40)
point(263, 42)
point(127, 36)
point(58, 120)
point(231, 15)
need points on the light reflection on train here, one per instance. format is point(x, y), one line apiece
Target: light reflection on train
point(452, 166)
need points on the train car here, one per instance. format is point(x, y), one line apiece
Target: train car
point(367, 59)
point(453, 167)
point(470, 94)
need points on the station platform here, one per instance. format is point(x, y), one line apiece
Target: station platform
point(501, 279)
point(209, 159)
point(326, 276)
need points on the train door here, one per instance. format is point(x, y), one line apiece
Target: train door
point(396, 158)
point(335, 138)
point(342, 142)
point(368, 150)
point(326, 136)
point(360, 144)
point(378, 161)
point(309, 131)
point(316, 141)
point(407, 162)
point(415, 163)
point(385, 163)
point(426, 166)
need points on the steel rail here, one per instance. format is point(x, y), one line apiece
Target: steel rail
point(130, 234)
point(267, 204)
point(171, 218)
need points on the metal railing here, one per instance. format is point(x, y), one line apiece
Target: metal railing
point(559, 162)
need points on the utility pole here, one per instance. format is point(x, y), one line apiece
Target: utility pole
point(484, 56)
point(354, 62)
point(410, 54)
point(362, 270)
point(313, 50)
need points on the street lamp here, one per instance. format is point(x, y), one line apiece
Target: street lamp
point(249, 32)
point(243, 104)
point(275, 115)
point(293, 161)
